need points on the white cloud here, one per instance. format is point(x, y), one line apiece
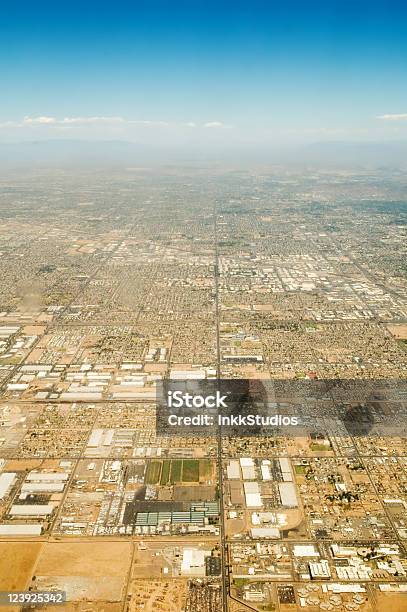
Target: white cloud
point(393, 117)
point(214, 124)
point(45, 121)
point(150, 123)
point(92, 120)
point(80, 121)
point(42, 120)
point(9, 124)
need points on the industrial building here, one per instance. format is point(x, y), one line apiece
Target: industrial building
point(193, 562)
point(252, 495)
point(233, 470)
point(20, 530)
point(31, 510)
point(266, 533)
point(288, 494)
point(7, 479)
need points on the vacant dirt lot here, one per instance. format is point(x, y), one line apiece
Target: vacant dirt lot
point(85, 559)
point(17, 560)
point(86, 571)
point(398, 331)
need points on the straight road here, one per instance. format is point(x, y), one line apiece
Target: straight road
point(223, 543)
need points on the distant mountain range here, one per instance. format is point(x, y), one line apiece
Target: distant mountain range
point(57, 153)
point(389, 153)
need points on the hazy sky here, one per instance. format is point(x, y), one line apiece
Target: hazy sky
point(230, 73)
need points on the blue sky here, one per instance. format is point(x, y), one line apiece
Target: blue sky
point(212, 72)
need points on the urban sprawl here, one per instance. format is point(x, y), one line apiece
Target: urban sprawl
point(114, 281)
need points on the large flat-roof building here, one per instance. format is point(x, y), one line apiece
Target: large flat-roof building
point(31, 509)
point(7, 479)
point(288, 494)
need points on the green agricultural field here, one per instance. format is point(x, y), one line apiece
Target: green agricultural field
point(299, 469)
point(176, 468)
point(165, 472)
point(320, 447)
point(190, 470)
point(153, 472)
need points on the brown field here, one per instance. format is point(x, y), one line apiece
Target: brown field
point(86, 571)
point(147, 565)
point(35, 355)
point(85, 559)
point(80, 606)
point(34, 330)
point(398, 331)
point(20, 465)
point(396, 602)
point(79, 588)
point(194, 493)
point(17, 561)
point(235, 526)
